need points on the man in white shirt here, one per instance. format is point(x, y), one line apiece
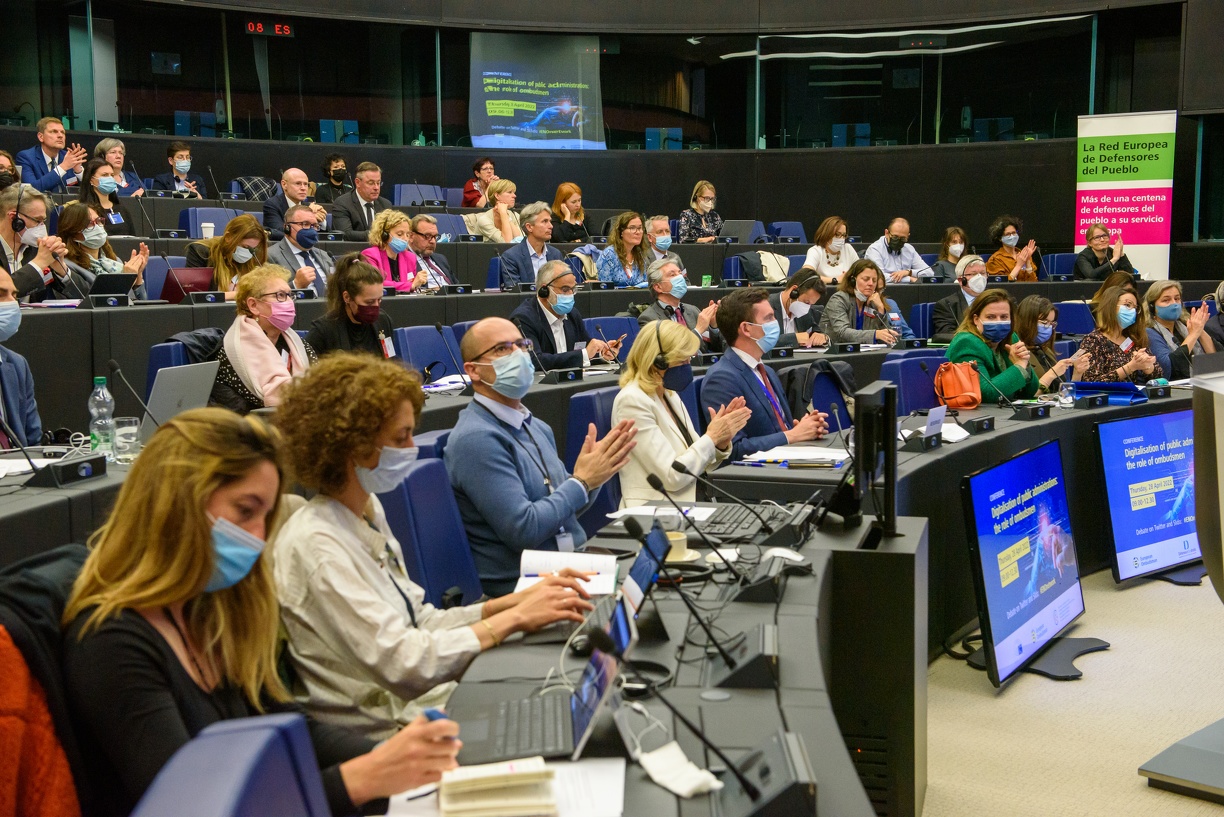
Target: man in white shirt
point(424, 243)
point(34, 259)
point(896, 257)
point(553, 324)
point(354, 212)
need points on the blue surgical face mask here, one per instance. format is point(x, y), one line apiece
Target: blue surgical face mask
point(235, 552)
point(10, 319)
point(514, 373)
point(1170, 312)
point(995, 331)
point(562, 304)
point(663, 242)
point(1011, 240)
point(392, 469)
point(307, 237)
point(397, 245)
point(241, 255)
point(107, 185)
point(183, 166)
point(1126, 316)
point(679, 286)
point(678, 378)
point(1044, 332)
point(772, 332)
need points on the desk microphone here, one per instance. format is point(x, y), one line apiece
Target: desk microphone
point(657, 484)
point(118, 372)
point(951, 411)
point(214, 181)
point(604, 643)
point(150, 228)
point(539, 362)
point(34, 469)
point(170, 271)
point(467, 381)
point(837, 435)
point(1003, 398)
point(619, 365)
point(681, 468)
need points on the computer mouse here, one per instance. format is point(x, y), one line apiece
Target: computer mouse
point(581, 646)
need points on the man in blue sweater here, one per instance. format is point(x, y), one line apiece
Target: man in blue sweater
point(513, 491)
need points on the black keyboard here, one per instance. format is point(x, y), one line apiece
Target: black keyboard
point(737, 522)
point(539, 725)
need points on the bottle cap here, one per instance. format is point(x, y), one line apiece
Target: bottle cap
point(99, 381)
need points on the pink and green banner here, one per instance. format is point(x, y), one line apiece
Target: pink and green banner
point(1125, 181)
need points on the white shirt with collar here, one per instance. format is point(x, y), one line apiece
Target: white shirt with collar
point(537, 259)
point(557, 324)
point(788, 322)
point(751, 362)
point(351, 639)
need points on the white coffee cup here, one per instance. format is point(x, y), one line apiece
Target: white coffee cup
point(677, 545)
point(207, 229)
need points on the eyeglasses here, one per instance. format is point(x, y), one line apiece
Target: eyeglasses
point(564, 290)
point(279, 296)
point(1104, 236)
point(708, 199)
point(34, 219)
point(98, 222)
point(427, 236)
point(1050, 324)
point(637, 229)
point(302, 223)
point(506, 347)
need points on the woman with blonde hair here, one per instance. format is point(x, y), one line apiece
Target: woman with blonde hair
point(368, 650)
point(569, 219)
point(699, 224)
point(172, 623)
point(241, 248)
point(500, 223)
point(658, 368)
point(261, 352)
point(1175, 336)
point(390, 254)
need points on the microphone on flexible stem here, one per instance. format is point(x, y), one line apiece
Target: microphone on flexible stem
point(634, 529)
point(539, 362)
point(70, 278)
point(467, 381)
point(604, 643)
point(150, 231)
point(657, 484)
point(118, 372)
point(619, 365)
point(837, 435)
point(681, 468)
point(170, 271)
point(214, 181)
point(1003, 398)
point(951, 412)
point(34, 469)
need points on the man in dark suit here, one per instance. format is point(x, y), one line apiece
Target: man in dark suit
point(744, 318)
point(18, 407)
point(423, 240)
point(793, 308)
point(669, 284)
point(33, 258)
point(947, 313)
point(297, 251)
point(553, 325)
point(295, 189)
point(520, 263)
point(180, 179)
point(353, 213)
point(49, 165)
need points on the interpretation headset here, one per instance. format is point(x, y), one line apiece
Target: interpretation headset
point(542, 292)
point(18, 223)
point(660, 361)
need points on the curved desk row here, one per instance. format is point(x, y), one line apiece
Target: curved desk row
point(928, 485)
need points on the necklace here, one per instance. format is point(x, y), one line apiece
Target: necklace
point(186, 645)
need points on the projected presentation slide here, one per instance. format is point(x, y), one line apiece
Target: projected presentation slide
point(532, 91)
point(1029, 572)
point(1149, 481)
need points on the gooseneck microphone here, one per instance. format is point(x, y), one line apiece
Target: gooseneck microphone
point(467, 381)
point(150, 230)
point(217, 186)
point(681, 468)
point(539, 362)
point(657, 484)
point(634, 529)
point(34, 469)
point(619, 366)
point(603, 642)
point(1003, 398)
point(118, 372)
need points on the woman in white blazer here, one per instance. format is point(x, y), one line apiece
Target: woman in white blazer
point(659, 366)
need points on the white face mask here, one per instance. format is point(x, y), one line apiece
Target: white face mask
point(33, 235)
point(836, 244)
point(94, 237)
point(798, 309)
point(955, 250)
point(977, 284)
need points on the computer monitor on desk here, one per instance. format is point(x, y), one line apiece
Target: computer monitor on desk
point(875, 452)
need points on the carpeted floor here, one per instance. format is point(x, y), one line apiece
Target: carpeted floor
point(1043, 747)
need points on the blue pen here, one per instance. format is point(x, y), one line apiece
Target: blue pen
point(750, 464)
point(436, 715)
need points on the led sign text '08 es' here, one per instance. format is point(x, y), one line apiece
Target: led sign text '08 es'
point(268, 28)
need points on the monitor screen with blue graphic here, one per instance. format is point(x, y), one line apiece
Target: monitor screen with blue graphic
point(1148, 464)
point(1023, 557)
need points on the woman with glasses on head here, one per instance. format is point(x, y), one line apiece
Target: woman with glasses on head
point(89, 252)
point(115, 154)
point(391, 254)
point(241, 248)
point(172, 623)
point(658, 368)
point(623, 261)
point(1099, 259)
point(261, 352)
point(476, 190)
point(99, 191)
point(831, 254)
point(1036, 324)
point(354, 321)
point(700, 224)
point(1175, 335)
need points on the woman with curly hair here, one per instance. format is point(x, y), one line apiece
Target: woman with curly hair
point(368, 651)
point(1011, 259)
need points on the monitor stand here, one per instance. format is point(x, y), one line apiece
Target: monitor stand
point(1194, 766)
point(1190, 575)
point(1058, 659)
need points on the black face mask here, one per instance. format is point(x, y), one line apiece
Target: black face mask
point(6, 179)
point(339, 176)
point(895, 243)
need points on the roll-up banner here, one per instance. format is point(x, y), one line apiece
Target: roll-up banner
point(1125, 181)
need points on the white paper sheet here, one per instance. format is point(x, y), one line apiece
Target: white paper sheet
point(13, 466)
point(594, 787)
point(800, 453)
point(652, 512)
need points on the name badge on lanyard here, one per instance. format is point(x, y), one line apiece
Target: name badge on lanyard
point(388, 345)
point(565, 541)
point(115, 218)
point(894, 317)
point(285, 358)
point(869, 312)
point(1126, 345)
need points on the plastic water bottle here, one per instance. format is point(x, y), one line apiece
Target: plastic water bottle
point(102, 420)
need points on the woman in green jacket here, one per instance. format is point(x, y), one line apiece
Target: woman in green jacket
point(985, 336)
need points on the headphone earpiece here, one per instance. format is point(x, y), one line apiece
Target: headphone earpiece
point(18, 223)
point(660, 361)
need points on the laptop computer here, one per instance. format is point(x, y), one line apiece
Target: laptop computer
point(177, 389)
point(113, 283)
point(184, 280)
point(739, 229)
point(551, 725)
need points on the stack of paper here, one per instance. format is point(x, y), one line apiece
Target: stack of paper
point(800, 453)
point(517, 788)
point(450, 382)
point(535, 564)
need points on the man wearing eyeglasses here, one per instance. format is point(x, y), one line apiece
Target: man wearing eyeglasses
point(553, 324)
point(34, 259)
point(513, 491)
point(297, 251)
point(669, 283)
point(424, 243)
